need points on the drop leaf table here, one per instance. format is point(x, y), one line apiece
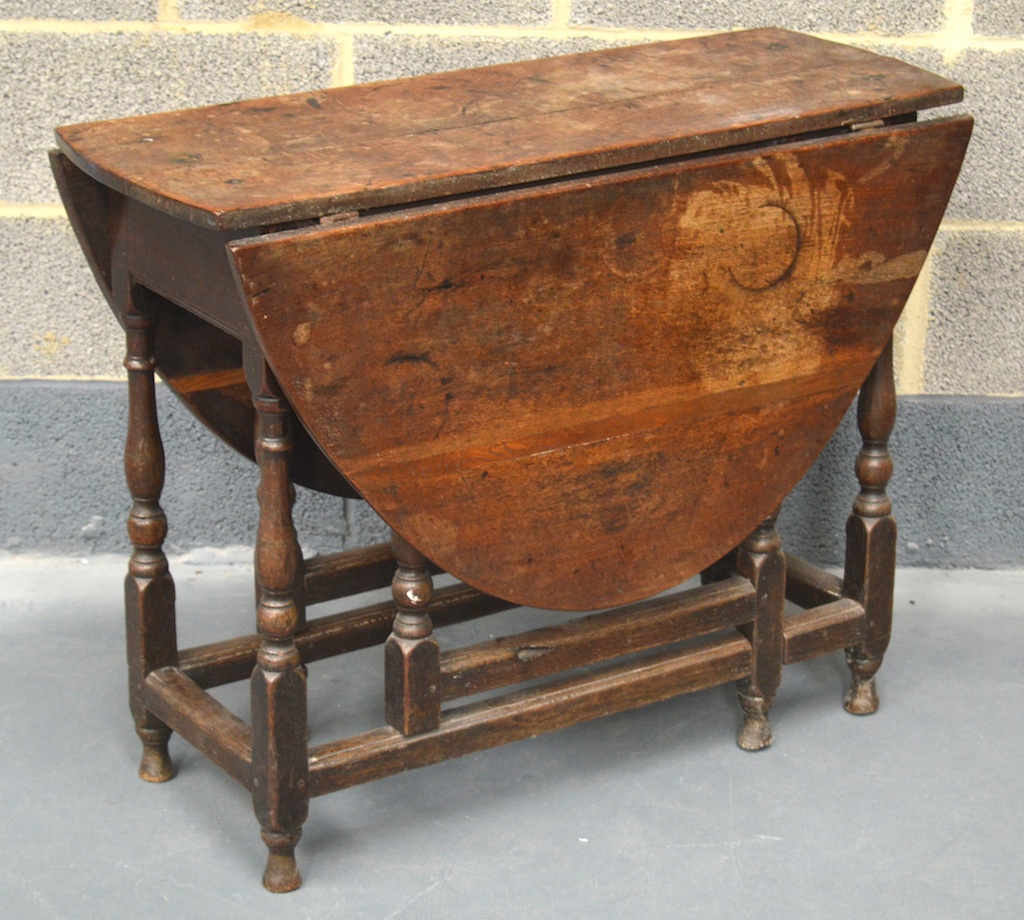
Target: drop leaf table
point(573, 327)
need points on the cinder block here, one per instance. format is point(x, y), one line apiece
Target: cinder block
point(890, 17)
point(53, 319)
point(974, 342)
point(50, 79)
point(991, 186)
point(1002, 18)
point(393, 56)
point(367, 526)
point(95, 10)
point(433, 12)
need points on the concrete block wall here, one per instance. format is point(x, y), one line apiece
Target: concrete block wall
point(960, 346)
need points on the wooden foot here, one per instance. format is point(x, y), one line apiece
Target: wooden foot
point(282, 872)
point(156, 766)
point(862, 697)
point(152, 644)
point(756, 733)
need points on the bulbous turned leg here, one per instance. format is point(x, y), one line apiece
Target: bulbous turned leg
point(149, 589)
point(280, 766)
point(156, 766)
point(282, 872)
point(756, 733)
point(862, 697)
point(412, 657)
point(870, 569)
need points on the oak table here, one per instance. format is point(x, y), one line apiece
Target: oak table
point(573, 327)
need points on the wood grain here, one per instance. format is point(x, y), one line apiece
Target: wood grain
point(204, 722)
point(599, 637)
point(222, 662)
point(528, 713)
point(573, 326)
point(308, 154)
point(819, 630)
point(809, 586)
point(578, 395)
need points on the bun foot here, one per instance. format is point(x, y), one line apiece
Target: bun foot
point(282, 872)
point(756, 734)
point(156, 766)
point(862, 697)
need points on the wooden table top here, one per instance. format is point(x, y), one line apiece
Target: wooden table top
point(579, 393)
point(589, 379)
point(300, 156)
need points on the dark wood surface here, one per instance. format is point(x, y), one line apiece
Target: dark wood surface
point(305, 155)
point(572, 392)
point(599, 637)
point(828, 628)
point(412, 656)
point(206, 724)
point(577, 395)
point(869, 572)
point(334, 634)
point(530, 712)
point(280, 768)
point(252, 166)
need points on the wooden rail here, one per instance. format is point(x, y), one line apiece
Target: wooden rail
point(527, 713)
point(206, 724)
point(809, 586)
point(595, 638)
point(233, 659)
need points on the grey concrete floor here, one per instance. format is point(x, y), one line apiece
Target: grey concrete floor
point(914, 812)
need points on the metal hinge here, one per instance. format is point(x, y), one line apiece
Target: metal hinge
point(339, 218)
point(864, 125)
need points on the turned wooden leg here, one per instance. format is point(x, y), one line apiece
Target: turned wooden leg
point(149, 588)
point(760, 559)
point(412, 657)
point(280, 767)
point(870, 569)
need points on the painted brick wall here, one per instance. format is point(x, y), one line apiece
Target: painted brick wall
point(70, 60)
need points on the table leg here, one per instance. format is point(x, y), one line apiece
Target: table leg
point(760, 559)
point(870, 568)
point(280, 769)
point(412, 657)
point(149, 588)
